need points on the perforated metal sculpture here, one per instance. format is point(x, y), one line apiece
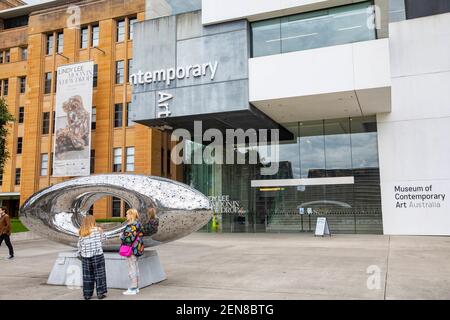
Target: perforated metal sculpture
point(57, 211)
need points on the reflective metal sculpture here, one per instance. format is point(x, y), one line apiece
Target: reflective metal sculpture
point(57, 211)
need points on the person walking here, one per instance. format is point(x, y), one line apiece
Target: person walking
point(132, 236)
point(92, 258)
point(5, 232)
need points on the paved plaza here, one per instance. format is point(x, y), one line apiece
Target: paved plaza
point(262, 266)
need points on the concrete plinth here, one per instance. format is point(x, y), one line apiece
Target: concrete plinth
point(67, 270)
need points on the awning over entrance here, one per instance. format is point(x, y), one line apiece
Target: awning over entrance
point(9, 195)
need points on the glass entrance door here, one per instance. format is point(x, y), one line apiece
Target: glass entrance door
point(320, 149)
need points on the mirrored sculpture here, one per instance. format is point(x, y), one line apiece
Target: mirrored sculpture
point(57, 211)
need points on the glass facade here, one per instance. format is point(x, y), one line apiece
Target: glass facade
point(329, 27)
point(397, 10)
point(320, 149)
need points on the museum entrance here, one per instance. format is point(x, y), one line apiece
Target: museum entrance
point(341, 148)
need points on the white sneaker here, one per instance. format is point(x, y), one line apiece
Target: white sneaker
point(130, 292)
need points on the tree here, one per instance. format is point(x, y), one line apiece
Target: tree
point(5, 117)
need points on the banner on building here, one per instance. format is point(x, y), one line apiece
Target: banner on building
point(72, 145)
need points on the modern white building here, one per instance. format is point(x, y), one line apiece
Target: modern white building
point(359, 91)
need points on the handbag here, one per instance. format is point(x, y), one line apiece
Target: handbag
point(126, 251)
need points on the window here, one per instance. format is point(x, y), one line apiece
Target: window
point(116, 204)
point(168, 163)
point(92, 161)
point(17, 178)
point(334, 26)
point(1, 56)
point(48, 82)
point(130, 159)
point(1, 178)
point(162, 163)
point(84, 33)
point(55, 82)
point(131, 22)
point(51, 163)
point(95, 77)
point(19, 145)
point(397, 10)
point(7, 56)
point(117, 165)
point(60, 42)
point(21, 114)
point(94, 118)
point(120, 72)
point(120, 30)
point(44, 164)
point(129, 122)
point(49, 47)
point(118, 115)
point(53, 121)
point(22, 84)
point(130, 69)
point(24, 53)
point(91, 211)
point(95, 35)
point(5, 86)
point(45, 122)
point(15, 22)
point(419, 8)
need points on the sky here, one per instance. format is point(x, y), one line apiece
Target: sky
point(33, 1)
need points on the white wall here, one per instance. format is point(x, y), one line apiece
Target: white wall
point(414, 139)
point(215, 11)
point(354, 66)
point(333, 79)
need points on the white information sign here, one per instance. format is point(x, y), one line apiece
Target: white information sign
point(322, 227)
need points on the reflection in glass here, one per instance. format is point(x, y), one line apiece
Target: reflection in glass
point(312, 149)
point(304, 31)
point(351, 24)
point(338, 147)
point(397, 10)
point(334, 26)
point(288, 156)
point(364, 142)
point(266, 37)
point(326, 148)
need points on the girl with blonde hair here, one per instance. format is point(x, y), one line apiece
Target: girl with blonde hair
point(132, 236)
point(92, 258)
point(151, 227)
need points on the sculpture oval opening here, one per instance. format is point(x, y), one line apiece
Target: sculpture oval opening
point(57, 212)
